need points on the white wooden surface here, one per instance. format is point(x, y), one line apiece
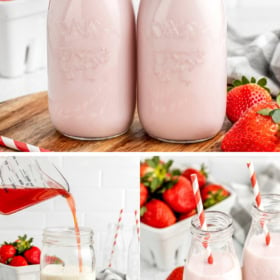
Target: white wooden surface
point(248, 16)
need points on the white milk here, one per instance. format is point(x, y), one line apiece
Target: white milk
point(58, 272)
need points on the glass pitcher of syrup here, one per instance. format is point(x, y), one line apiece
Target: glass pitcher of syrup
point(25, 182)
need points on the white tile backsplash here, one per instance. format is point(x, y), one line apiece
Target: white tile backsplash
point(98, 198)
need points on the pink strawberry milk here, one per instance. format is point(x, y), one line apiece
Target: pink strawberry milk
point(261, 260)
point(91, 65)
point(182, 71)
point(218, 236)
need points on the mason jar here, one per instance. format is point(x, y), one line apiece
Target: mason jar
point(67, 254)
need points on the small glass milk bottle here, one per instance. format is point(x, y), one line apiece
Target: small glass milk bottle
point(219, 241)
point(91, 67)
point(182, 74)
point(261, 257)
point(67, 255)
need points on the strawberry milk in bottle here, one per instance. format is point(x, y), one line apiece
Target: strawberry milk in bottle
point(218, 236)
point(261, 258)
point(182, 71)
point(91, 66)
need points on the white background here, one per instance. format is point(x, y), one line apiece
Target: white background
point(101, 186)
point(247, 16)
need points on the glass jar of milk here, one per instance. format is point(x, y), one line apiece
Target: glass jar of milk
point(182, 74)
point(68, 255)
point(261, 257)
point(217, 240)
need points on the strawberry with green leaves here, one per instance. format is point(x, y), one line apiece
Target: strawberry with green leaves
point(20, 252)
point(201, 175)
point(22, 244)
point(213, 194)
point(154, 173)
point(180, 196)
point(244, 94)
point(157, 214)
point(258, 130)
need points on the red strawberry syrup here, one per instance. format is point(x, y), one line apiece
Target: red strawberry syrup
point(13, 200)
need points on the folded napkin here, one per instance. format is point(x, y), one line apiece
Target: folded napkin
point(110, 274)
point(255, 56)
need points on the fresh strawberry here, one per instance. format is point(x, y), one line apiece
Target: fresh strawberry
point(256, 131)
point(180, 196)
point(7, 252)
point(201, 175)
point(154, 173)
point(244, 94)
point(144, 193)
point(145, 169)
point(213, 194)
point(176, 274)
point(18, 261)
point(33, 255)
point(23, 244)
point(53, 260)
point(157, 214)
point(187, 215)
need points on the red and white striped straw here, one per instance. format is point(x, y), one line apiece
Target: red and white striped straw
point(116, 237)
point(137, 224)
point(201, 214)
point(258, 199)
point(19, 146)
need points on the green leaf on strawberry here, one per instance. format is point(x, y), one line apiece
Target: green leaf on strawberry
point(274, 114)
point(245, 81)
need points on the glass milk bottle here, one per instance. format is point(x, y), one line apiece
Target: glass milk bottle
point(219, 239)
point(182, 71)
point(262, 261)
point(91, 66)
point(66, 255)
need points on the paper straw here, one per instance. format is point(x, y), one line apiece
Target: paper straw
point(116, 237)
point(258, 199)
point(19, 146)
point(137, 224)
point(201, 214)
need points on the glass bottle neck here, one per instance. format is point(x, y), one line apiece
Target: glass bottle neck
point(219, 228)
point(269, 212)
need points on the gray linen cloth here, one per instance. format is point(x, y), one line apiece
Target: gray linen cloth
point(255, 56)
point(110, 274)
point(269, 181)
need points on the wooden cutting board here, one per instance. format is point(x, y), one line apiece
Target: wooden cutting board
point(27, 119)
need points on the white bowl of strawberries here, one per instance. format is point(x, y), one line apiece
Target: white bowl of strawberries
point(20, 260)
point(167, 205)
